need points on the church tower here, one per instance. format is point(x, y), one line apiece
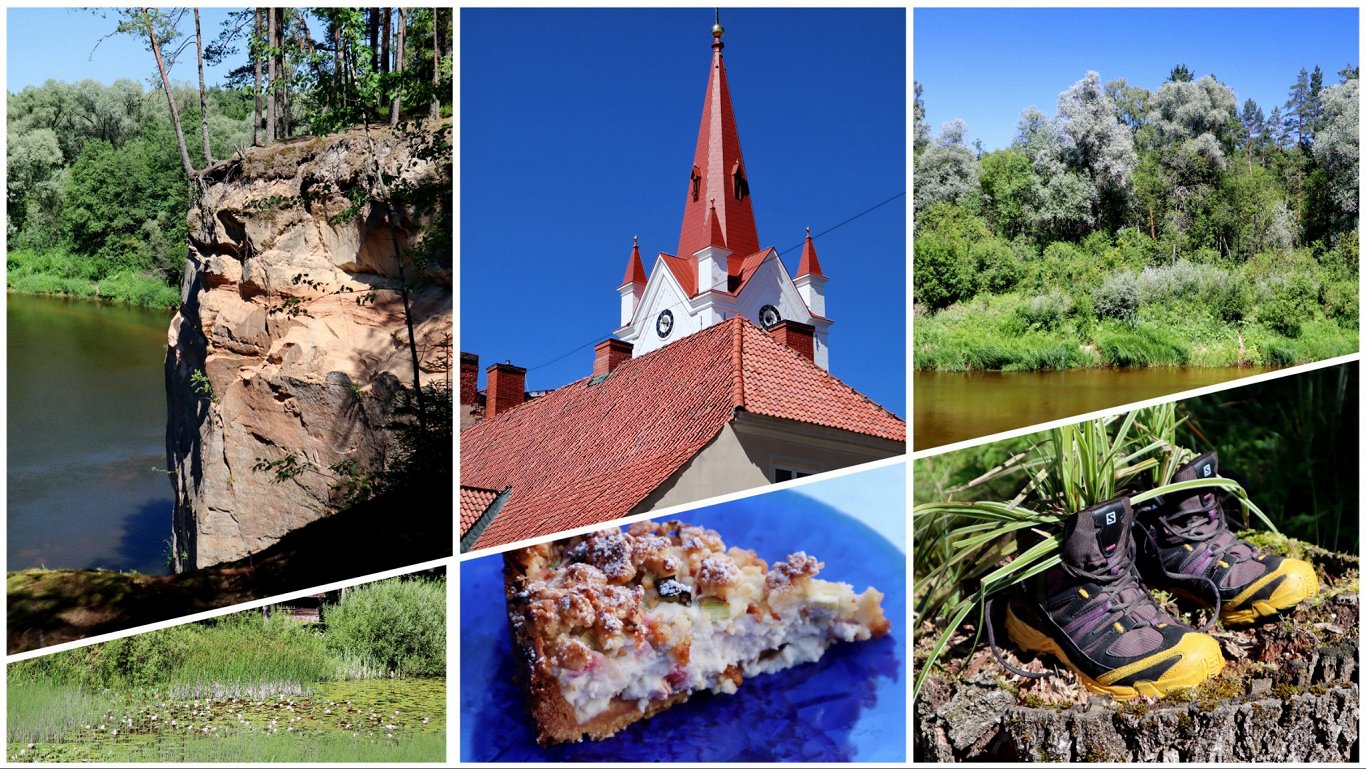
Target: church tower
point(719, 270)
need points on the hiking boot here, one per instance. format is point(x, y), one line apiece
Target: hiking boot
point(1187, 549)
point(1094, 615)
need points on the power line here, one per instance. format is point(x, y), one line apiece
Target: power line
point(823, 233)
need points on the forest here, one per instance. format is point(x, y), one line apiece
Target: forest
point(101, 175)
point(1139, 227)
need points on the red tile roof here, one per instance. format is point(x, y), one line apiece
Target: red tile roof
point(635, 269)
point(586, 453)
point(809, 264)
point(684, 270)
point(473, 503)
point(717, 162)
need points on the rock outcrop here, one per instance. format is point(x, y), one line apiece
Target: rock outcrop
point(290, 344)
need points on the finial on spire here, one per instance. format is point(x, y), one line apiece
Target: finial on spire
point(717, 30)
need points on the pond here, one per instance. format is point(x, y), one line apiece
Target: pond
point(381, 720)
point(956, 406)
point(86, 435)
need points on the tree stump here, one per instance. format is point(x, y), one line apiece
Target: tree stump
point(1289, 692)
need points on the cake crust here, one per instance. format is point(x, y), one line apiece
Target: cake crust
point(613, 619)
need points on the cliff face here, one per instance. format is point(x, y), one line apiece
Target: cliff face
point(290, 344)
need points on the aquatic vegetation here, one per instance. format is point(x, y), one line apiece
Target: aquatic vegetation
point(382, 720)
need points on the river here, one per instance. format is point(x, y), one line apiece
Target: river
point(86, 436)
point(955, 406)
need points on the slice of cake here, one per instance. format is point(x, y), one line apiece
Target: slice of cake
point(614, 626)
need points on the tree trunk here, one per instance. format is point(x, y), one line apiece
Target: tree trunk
point(283, 92)
point(271, 102)
point(203, 89)
point(372, 23)
point(436, 62)
point(386, 26)
point(397, 106)
point(170, 99)
point(256, 60)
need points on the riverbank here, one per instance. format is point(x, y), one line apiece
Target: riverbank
point(367, 686)
point(1013, 332)
point(57, 273)
point(46, 607)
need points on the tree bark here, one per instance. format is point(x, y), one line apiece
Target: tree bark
point(397, 106)
point(372, 23)
point(256, 60)
point(436, 62)
point(272, 32)
point(203, 91)
point(170, 99)
point(283, 66)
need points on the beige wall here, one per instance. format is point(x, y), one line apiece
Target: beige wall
point(745, 452)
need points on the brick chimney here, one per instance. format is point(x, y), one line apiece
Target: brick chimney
point(506, 388)
point(609, 354)
point(799, 336)
point(469, 378)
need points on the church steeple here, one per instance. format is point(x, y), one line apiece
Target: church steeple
point(718, 173)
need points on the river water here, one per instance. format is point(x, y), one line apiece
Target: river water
point(955, 406)
point(85, 436)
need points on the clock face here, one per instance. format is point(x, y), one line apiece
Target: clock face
point(664, 323)
point(768, 316)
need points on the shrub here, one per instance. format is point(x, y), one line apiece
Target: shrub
point(1286, 301)
point(999, 265)
point(397, 627)
point(1340, 300)
point(1046, 312)
point(1117, 298)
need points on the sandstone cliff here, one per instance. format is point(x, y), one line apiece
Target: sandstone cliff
point(290, 343)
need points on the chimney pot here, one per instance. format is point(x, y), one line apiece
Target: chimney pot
point(799, 336)
point(507, 388)
point(609, 354)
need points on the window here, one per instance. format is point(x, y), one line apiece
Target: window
point(781, 474)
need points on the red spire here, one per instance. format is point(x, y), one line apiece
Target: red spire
point(715, 237)
point(809, 265)
point(718, 173)
point(635, 269)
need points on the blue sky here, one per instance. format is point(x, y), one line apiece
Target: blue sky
point(578, 129)
point(987, 65)
point(60, 44)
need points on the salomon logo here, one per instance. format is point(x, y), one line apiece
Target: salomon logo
point(1109, 519)
point(1206, 470)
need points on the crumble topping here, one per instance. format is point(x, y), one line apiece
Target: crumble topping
point(665, 607)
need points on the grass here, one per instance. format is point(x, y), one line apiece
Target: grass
point(1140, 346)
point(63, 274)
point(43, 711)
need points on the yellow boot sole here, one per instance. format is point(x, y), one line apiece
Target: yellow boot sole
point(1200, 655)
point(1300, 583)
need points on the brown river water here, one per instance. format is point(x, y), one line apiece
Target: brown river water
point(956, 406)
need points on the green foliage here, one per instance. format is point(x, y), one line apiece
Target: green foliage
point(286, 467)
point(945, 271)
point(394, 627)
point(1117, 298)
point(1286, 301)
point(199, 382)
point(1142, 345)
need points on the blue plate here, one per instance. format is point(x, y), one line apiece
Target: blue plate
point(849, 706)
